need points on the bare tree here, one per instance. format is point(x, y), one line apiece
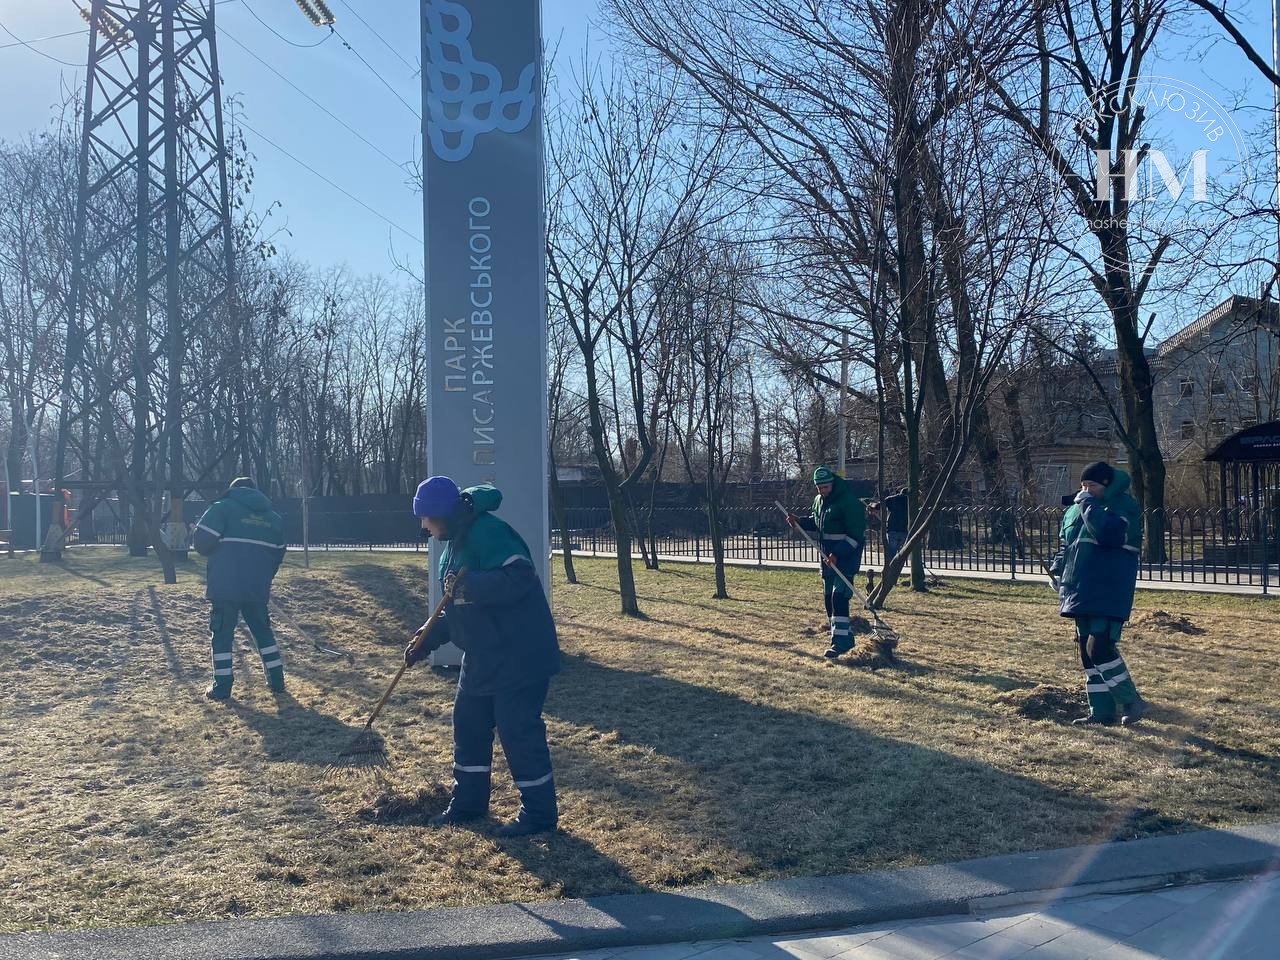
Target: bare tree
point(625, 183)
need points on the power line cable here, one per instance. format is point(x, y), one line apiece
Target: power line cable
point(56, 36)
point(312, 170)
point(350, 129)
point(346, 44)
point(25, 43)
point(352, 10)
point(292, 43)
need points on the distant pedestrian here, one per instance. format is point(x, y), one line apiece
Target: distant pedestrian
point(1097, 569)
point(243, 537)
point(893, 513)
point(841, 519)
point(498, 615)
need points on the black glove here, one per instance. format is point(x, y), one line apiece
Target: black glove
point(453, 586)
point(418, 648)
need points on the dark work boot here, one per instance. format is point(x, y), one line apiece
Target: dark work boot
point(520, 827)
point(1133, 712)
point(218, 691)
point(452, 817)
point(1092, 719)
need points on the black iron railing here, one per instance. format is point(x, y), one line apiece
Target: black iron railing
point(1235, 547)
point(1238, 547)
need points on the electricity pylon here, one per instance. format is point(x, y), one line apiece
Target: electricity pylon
point(153, 192)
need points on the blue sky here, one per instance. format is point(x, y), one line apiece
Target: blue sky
point(327, 227)
point(324, 225)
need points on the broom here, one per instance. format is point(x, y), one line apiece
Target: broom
point(886, 638)
point(365, 742)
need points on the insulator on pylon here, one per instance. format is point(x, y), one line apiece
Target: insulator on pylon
point(326, 15)
point(109, 24)
point(317, 11)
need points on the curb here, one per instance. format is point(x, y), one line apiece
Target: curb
point(708, 913)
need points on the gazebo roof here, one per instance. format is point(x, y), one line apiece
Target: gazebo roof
point(1257, 444)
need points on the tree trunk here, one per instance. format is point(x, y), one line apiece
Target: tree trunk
point(562, 522)
point(1018, 440)
point(717, 537)
point(1136, 388)
point(617, 503)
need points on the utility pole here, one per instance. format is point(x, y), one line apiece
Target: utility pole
point(1275, 128)
point(844, 397)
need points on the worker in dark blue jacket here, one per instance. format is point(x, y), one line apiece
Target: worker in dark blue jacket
point(244, 541)
point(498, 616)
point(1097, 570)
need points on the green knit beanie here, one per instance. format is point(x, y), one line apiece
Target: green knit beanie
point(823, 475)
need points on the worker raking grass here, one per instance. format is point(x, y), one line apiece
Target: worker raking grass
point(243, 537)
point(840, 519)
point(496, 611)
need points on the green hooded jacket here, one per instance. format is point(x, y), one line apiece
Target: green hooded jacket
point(840, 520)
point(499, 616)
point(1097, 563)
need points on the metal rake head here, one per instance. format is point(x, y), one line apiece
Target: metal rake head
point(366, 743)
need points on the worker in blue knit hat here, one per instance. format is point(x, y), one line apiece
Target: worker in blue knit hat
point(497, 613)
point(840, 519)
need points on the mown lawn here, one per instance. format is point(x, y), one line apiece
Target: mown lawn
point(708, 742)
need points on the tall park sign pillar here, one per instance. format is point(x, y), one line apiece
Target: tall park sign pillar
point(485, 267)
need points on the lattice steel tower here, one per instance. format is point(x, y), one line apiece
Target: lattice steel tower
point(152, 203)
point(152, 192)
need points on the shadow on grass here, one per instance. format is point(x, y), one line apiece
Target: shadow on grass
point(996, 681)
point(400, 592)
point(1177, 732)
point(296, 733)
point(67, 567)
point(574, 865)
point(809, 645)
point(166, 638)
point(796, 792)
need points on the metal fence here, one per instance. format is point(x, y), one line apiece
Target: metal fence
point(326, 530)
point(1237, 547)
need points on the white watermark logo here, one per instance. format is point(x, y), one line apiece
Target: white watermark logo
point(465, 96)
point(1186, 175)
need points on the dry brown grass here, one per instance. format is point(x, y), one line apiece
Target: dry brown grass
point(708, 742)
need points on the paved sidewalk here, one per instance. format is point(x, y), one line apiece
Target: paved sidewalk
point(1005, 898)
point(1239, 920)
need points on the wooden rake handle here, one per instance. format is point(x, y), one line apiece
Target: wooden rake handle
point(836, 570)
point(431, 622)
point(866, 604)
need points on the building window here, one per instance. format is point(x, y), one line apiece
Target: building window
point(1249, 383)
point(1186, 388)
point(1246, 422)
point(1218, 387)
point(1188, 429)
point(1218, 427)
